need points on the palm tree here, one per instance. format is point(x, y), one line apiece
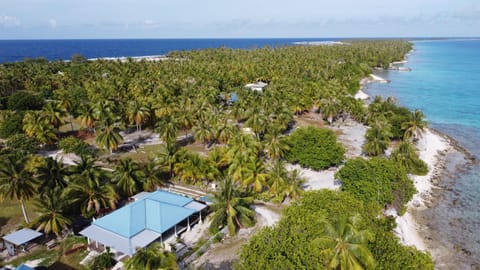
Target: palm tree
point(152, 179)
point(231, 207)
point(168, 127)
point(192, 168)
point(87, 116)
point(137, 113)
point(51, 174)
point(15, 181)
point(275, 147)
point(168, 155)
point(406, 156)
point(93, 196)
point(255, 176)
point(54, 114)
point(344, 246)
point(128, 176)
point(415, 126)
point(86, 171)
point(51, 208)
point(65, 102)
point(103, 261)
point(108, 136)
point(36, 125)
point(294, 185)
point(377, 139)
point(152, 258)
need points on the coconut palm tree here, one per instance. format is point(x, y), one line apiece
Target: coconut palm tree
point(15, 181)
point(137, 113)
point(87, 117)
point(344, 246)
point(65, 102)
point(415, 126)
point(54, 114)
point(36, 125)
point(86, 171)
point(406, 156)
point(93, 196)
point(51, 208)
point(274, 146)
point(231, 207)
point(108, 137)
point(377, 139)
point(51, 174)
point(128, 176)
point(168, 127)
point(192, 168)
point(294, 185)
point(152, 258)
point(152, 179)
point(255, 175)
point(103, 261)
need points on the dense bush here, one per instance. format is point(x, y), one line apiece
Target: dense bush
point(406, 156)
point(316, 148)
point(288, 244)
point(11, 125)
point(23, 101)
point(380, 181)
point(22, 142)
point(75, 146)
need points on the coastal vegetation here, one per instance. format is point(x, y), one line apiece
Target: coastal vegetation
point(100, 111)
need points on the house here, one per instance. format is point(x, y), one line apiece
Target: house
point(20, 239)
point(257, 86)
point(151, 217)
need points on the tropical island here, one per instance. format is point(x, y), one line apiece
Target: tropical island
point(274, 158)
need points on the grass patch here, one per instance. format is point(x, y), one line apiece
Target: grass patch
point(11, 215)
point(47, 257)
point(197, 148)
point(142, 154)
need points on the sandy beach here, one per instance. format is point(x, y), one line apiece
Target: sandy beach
point(430, 148)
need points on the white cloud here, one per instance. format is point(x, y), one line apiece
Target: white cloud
point(9, 21)
point(53, 23)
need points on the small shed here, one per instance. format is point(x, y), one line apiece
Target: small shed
point(19, 238)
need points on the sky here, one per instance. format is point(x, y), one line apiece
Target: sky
point(66, 19)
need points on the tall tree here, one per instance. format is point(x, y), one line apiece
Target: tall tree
point(231, 207)
point(128, 176)
point(52, 209)
point(152, 258)
point(415, 126)
point(15, 181)
point(51, 174)
point(345, 246)
point(137, 113)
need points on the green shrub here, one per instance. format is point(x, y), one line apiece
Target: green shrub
point(315, 148)
point(22, 142)
point(380, 181)
point(23, 101)
point(11, 125)
point(75, 146)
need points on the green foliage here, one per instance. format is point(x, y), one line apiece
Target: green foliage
point(23, 101)
point(75, 146)
point(11, 125)
point(314, 148)
point(295, 241)
point(379, 181)
point(391, 254)
point(21, 142)
point(406, 156)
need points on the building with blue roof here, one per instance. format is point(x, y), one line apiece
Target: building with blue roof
point(150, 218)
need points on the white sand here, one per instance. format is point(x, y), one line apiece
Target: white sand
point(361, 95)
point(268, 216)
point(378, 79)
point(316, 179)
point(407, 229)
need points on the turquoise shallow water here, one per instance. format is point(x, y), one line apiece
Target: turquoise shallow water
point(445, 84)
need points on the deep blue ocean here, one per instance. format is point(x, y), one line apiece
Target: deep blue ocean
point(17, 50)
point(445, 84)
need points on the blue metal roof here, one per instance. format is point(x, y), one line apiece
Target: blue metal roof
point(159, 211)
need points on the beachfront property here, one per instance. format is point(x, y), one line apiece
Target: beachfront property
point(257, 86)
point(156, 216)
